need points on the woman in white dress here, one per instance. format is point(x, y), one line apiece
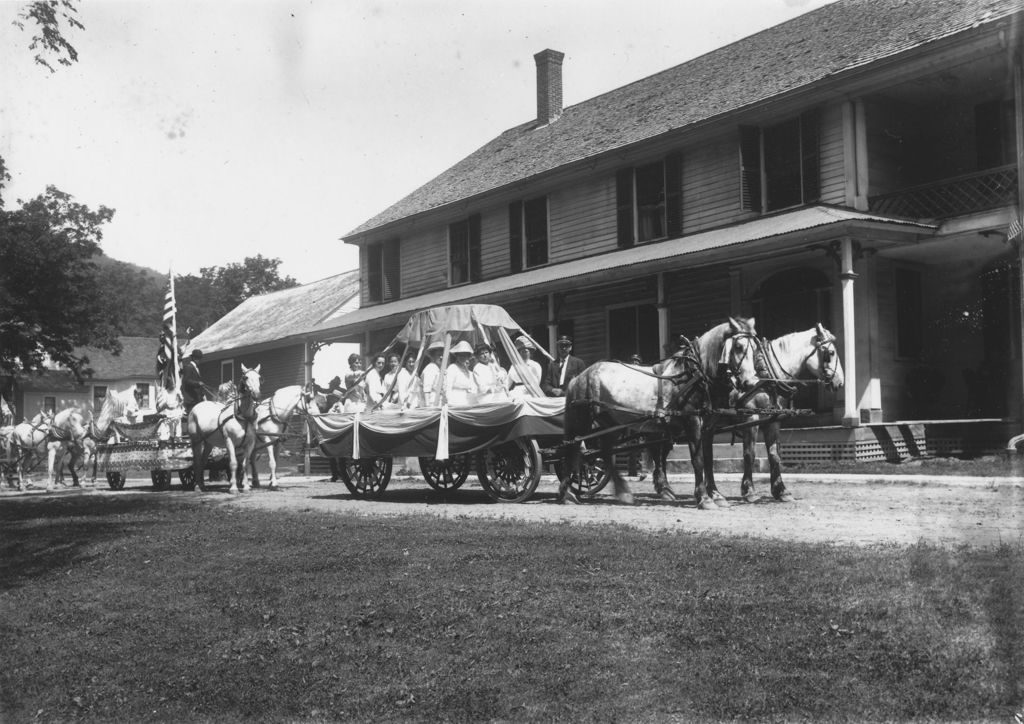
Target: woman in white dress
point(430, 377)
point(516, 386)
point(355, 385)
point(491, 379)
point(407, 385)
point(375, 383)
point(391, 383)
point(460, 387)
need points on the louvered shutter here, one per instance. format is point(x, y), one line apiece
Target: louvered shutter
point(750, 168)
point(515, 235)
point(810, 169)
point(674, 194)
point(475, 274)
point(373, 273)
point(391, 266)
point(624, 203)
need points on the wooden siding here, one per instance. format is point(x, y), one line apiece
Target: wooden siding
point(583, 218)
point(279, 368)
point(698, 299)
point(711, 185)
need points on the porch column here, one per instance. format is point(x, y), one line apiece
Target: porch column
point(851, 417)
point(552, 324)
point(663, 330)
point(308, 353)
point(1018, 213)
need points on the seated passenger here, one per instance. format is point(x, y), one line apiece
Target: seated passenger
point(516, 386)
point(491, 380)
point(430, 377)
point(460, 386)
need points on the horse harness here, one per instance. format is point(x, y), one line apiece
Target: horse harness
point(770, 371)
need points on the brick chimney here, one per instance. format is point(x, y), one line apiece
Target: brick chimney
point(549, 85)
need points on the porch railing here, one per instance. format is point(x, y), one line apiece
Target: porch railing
point(979, 191)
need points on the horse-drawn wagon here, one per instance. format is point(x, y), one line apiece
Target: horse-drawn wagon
point(149, 446)
point(613, 409)
point(500, 438)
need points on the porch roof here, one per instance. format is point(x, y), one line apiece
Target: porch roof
point(791, 230)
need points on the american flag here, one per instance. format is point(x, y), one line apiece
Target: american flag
point(167, 354)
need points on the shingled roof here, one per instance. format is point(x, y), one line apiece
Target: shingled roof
point(137, 359)
point(279, 315)
point(823, 43)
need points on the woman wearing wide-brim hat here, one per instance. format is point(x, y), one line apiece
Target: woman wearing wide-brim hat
point(460, 386)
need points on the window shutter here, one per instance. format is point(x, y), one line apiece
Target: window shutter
point(391, 267)
point(750, 168)
point(474, 248)
point(515, 235)
point(373, 276)
point(624, 203)
point(810, 169)
point(674, 194)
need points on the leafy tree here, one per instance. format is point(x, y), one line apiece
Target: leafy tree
point(50, 17)
point(49, 299)
point(133, 296)
point(205, 298)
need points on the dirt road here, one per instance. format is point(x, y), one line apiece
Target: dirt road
point(842, 509)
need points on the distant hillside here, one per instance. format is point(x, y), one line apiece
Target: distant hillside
point(135, 296)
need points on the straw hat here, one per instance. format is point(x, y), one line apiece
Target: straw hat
point(462, 347)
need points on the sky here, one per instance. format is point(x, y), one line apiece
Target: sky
point(222, 130)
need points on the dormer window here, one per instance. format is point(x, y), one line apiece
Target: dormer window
point(650, 201)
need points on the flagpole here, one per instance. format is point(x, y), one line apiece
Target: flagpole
point(175, 362)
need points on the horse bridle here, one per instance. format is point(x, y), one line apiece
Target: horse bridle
point(824, 347)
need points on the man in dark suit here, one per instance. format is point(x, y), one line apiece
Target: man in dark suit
point(562, 370)
point(193, 391)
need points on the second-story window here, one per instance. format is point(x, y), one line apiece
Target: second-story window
point(649, 199)
point(528, 233)
point(464, 251)
point(383, 271)
point(779, 164)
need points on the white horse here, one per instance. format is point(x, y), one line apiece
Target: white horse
point(232, 425)
point(272, 417)
point(53, 437)
point(117, 406)
point(783, 364)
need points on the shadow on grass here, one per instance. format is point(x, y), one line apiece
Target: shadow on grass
point(43, 533)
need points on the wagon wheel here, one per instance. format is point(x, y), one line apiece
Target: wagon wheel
point(447, 474)
point(510, 472)
point(161, 479)
point(187, 476)
point(115, 479)
point(366, 477)
point(594, 475)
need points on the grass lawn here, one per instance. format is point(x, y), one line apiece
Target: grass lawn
point(168, 608)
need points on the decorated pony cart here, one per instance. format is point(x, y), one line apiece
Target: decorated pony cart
point(499, 438)
point(151, 446)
